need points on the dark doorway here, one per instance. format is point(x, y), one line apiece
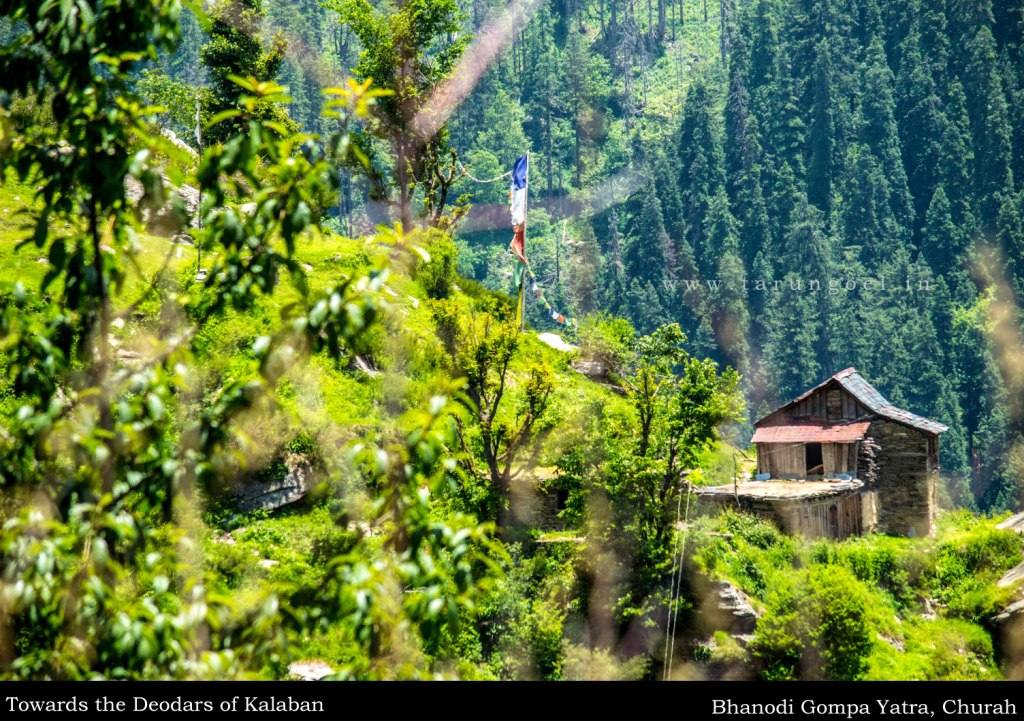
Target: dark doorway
point(815, 465)
point(833, 521)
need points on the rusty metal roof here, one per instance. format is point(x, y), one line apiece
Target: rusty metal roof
point(874, 401)
point(812, 432)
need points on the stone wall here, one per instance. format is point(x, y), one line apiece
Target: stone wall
point(837, 515)
point(904, 482)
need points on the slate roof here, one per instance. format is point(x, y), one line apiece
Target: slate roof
point(874, 401)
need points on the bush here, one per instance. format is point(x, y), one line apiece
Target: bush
point(936, 650)
point(966, 567)
point(606, 340)
point(596, 664)
point(230, 562)
point(818, 627)
point(750, 552)
point(437, 276)
point(330, 543)
point(894, 565)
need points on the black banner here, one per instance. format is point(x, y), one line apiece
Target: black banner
point(693, 700)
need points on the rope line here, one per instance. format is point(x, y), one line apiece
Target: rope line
point(475, 179)
point(678, 585)
point(672, 591)
point(538, 294)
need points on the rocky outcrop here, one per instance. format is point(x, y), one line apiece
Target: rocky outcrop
point(727, 608)
point(593, 369)
point(163, 218)
point(1014, 523)
point(1008, 635)
point(553, 340)
point(309, 670)
point(270, 495)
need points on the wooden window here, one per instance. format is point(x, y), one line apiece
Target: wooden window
point(834, 405)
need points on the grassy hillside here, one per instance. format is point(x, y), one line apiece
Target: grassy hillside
point(915, 608)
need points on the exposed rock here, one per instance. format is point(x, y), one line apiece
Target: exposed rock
point(894, 642)
point(1013, 523)
point(734, 604)
point(164, 219)
point(178, 142)
point(275, 494)
point(1012, 576)
point(1008, 635)
point(1015, 611)
point(365, 366)
point(727, 608)
point(267, 563)
point(309, 670)
point(553, 340)
point(724, 658)
point(591, 368)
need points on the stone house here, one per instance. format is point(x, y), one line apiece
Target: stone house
point(840, 460)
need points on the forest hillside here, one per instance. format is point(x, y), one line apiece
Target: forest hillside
point(270, 406)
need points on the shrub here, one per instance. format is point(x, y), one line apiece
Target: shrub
point(748, 551)
point(937, 650)
point(606, 340)
point(966, 567)
point(727, 650)
point(230, 562)
point(330, 543)
point(894, 565)
point(816, 627)
point(437, 276)
point(597, 664)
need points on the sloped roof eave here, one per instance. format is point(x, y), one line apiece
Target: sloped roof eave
point(855, 384)
point(846, 432)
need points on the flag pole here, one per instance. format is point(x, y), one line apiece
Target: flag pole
point(526, 267)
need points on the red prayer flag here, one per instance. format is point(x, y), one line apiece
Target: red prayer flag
point(518, 244)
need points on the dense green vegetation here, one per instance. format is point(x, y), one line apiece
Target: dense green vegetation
point(857, 609)
point(473, 506)
point(869, 147)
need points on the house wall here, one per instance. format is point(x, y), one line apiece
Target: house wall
point(903, 478)
point(835, 516)
point(782, 460)
point(831, 403)
point(789, 460)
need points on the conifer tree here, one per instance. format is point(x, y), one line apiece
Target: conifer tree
point(922, 123)
point(957, 159)
point(990, 123)
point(941, 239)
point(701, 170)
point(867, 219)
point(1010, 236)
point(793, 330)
point(821, 165)
point(881, 135)
point(647, 254)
